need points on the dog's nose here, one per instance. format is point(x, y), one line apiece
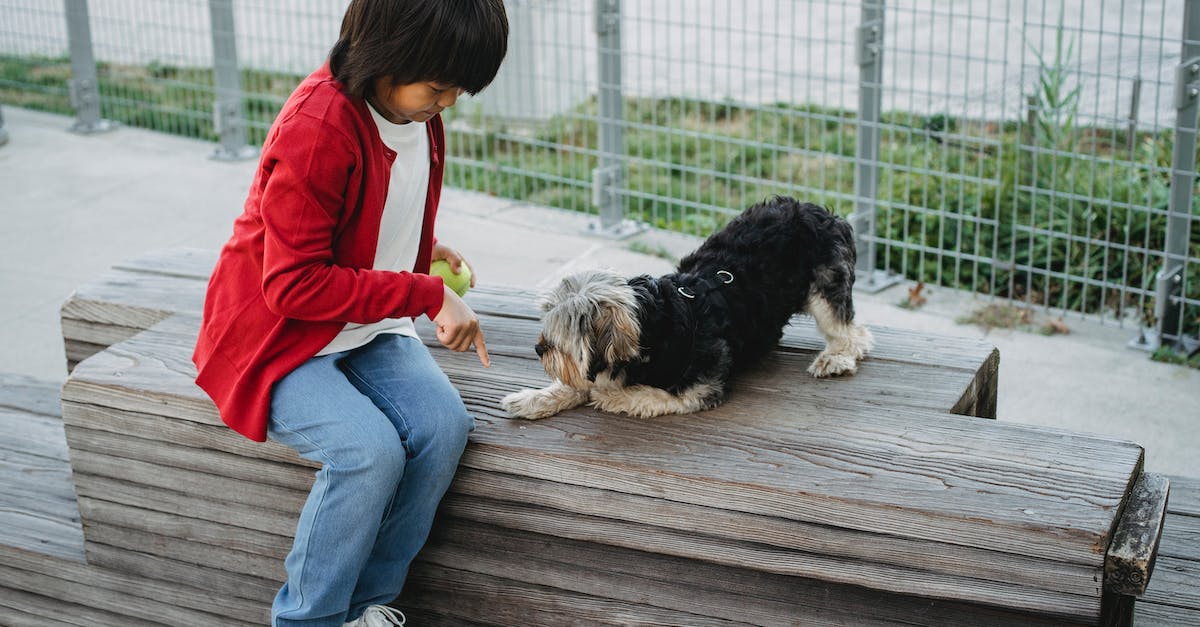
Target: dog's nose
point(540, 349)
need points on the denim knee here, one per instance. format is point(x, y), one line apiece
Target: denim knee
point(445, 436)
point(381, 457)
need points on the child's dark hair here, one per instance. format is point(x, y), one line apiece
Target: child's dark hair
point(457, 42)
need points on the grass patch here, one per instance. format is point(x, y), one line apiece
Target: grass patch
point(1167, 355)
point(654, 250)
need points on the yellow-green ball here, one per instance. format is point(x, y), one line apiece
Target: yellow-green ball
point(460, 282)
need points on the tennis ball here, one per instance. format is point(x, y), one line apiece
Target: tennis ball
point(460, 282)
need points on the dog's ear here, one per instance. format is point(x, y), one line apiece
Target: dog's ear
point(617, 333)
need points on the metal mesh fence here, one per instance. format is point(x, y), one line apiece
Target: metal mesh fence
point(1024, 149)
point(34, 66)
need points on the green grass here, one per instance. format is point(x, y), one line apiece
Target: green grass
point(1170, 356)
point(1030, 201)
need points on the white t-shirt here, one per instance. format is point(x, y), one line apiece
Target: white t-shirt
point(400, 227)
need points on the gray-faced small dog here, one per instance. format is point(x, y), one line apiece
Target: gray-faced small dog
point(652, 346)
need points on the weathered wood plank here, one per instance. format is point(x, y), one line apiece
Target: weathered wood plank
point(1130, 557)
point(139, 564)
point(731, 593)
point(1155, 615)
point(1174, 583)
point(37, 499)
point(36, 617)
point(32, 434)
point(27, 395)
point(880, 576)
point(128, 597)
point(222, 538)
point(1185, 496)
point(546, 499)
point(1181, 538)
point(211, 462)
point(182, 432)
point(236, 502)
point(500, 601)
point(64, 613)
point(185, 554)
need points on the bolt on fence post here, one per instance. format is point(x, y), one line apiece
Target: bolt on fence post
point(1168, 304)
point(869, 56)
point(608, 179)
point(228, 121)
point(84, 86)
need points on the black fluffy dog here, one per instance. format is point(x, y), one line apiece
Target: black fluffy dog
point(652, 346)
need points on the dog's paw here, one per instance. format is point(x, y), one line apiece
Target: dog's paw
point(833, 364)
point(528, 404)
point(543, 403)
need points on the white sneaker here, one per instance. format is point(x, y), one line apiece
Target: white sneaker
point(378, 616)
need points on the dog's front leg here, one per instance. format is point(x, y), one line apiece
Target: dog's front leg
point(543, 403)
point(644, 401)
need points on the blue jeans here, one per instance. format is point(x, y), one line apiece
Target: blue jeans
point(388, 429)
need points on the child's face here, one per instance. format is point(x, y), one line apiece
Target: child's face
point(412, 102)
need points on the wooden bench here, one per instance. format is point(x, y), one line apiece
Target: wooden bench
point(43, 573)
point(873, 498)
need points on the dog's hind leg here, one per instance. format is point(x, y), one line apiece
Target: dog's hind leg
point(845, 342)
point(543, 403)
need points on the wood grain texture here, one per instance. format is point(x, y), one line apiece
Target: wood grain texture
point(37, 498)
point(1181, 537)
point(1185, 496)
point(737, 594)
point(123, 598)
point(157, 568)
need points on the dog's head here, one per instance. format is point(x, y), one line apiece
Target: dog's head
point(590, 323)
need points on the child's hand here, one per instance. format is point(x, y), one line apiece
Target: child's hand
point(458, 327)
point(454, 258)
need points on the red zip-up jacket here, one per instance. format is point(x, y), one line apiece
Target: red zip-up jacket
point(298, 265)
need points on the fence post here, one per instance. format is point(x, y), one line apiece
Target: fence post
point(608, 179)
point(84, 86)
point(228, 121)
point(1168, 305)
point(869, 56)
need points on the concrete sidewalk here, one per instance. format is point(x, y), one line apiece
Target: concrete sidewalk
point(75, 205)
